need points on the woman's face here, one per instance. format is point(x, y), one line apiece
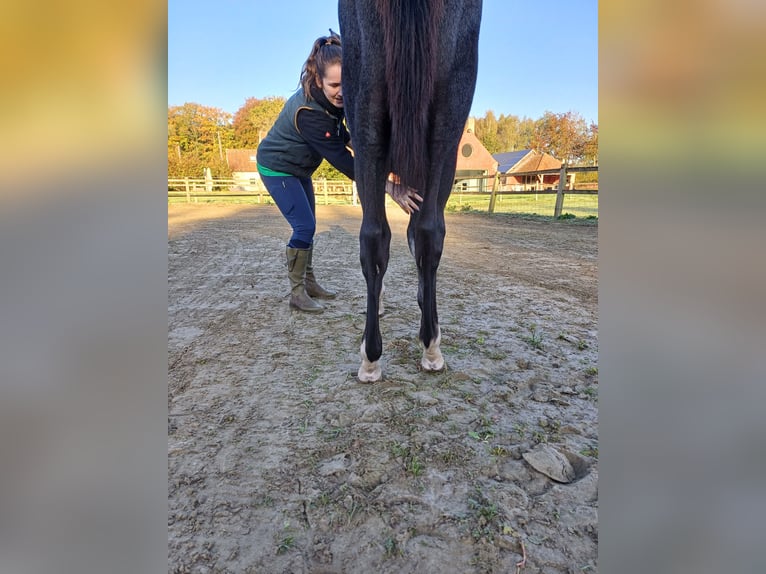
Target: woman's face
point(330, 84)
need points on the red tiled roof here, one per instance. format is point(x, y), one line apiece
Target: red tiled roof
point(534, 161)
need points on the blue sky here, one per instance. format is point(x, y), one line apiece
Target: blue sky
point(533, 56)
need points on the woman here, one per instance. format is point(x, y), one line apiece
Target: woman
point(310, 128)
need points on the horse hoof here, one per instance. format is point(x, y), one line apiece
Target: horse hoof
point(436, 364)
point(433, 360)
point(369, 373)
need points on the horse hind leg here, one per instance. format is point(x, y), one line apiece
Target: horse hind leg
point(432, 359)
point(369, 371)
point(426, 236)
point(374, 241)
point(428, 241)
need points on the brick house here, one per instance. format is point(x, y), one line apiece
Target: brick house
point(527, 160)
point(474, 163)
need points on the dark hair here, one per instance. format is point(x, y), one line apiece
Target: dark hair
point(325, 52)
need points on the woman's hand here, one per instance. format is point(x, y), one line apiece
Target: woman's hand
point(406, 197)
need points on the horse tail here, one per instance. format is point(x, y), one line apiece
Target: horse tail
point(410, 30)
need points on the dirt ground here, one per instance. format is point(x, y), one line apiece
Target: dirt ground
point(280, 461)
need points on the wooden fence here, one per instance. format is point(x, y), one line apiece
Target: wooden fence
point(486, 193)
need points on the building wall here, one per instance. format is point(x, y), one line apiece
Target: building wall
point(247, 181)
point(473, 156)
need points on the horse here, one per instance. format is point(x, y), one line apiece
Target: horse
point(408, 78)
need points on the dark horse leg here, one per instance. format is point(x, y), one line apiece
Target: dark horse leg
point(450, 107)
point(374, 234)
point(374, 250)
point(425, 235)
point(426, 239)
point(364, 91)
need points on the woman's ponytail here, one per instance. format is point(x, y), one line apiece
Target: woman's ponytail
point(325, 52)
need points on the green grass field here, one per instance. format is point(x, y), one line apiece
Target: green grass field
point(579, 205)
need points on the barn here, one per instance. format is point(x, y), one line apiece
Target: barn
point(517, 162)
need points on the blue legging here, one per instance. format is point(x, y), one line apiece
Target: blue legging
point(294, 197)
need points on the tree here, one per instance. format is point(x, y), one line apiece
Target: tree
point(590, 154)
point(507, 133)
point(590, 149)
point(254, 119)
point(197, 138)
point(327, 171)
point(561, 135)
point(564, 136)
point(503, 134)
point(486, 132)
point(526, 133)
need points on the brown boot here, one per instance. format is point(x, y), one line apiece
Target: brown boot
point(313, 288)
point(296, 272)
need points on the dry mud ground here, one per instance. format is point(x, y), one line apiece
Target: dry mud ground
point(280, 461)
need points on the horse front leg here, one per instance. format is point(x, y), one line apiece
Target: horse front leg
point(374, 251)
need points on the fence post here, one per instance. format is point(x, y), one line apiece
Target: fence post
point(560, 192)
point(324, 185)
point(188, 196)
point(495, 183)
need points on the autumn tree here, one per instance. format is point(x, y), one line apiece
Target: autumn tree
point(254, 119)
point(590, 154)
point(507, 133)
point(561, 135)
point(525, 133)
point(590, 149)
point(197, 138)
point(564, 136)
point(503, 134)
point(485, 130)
